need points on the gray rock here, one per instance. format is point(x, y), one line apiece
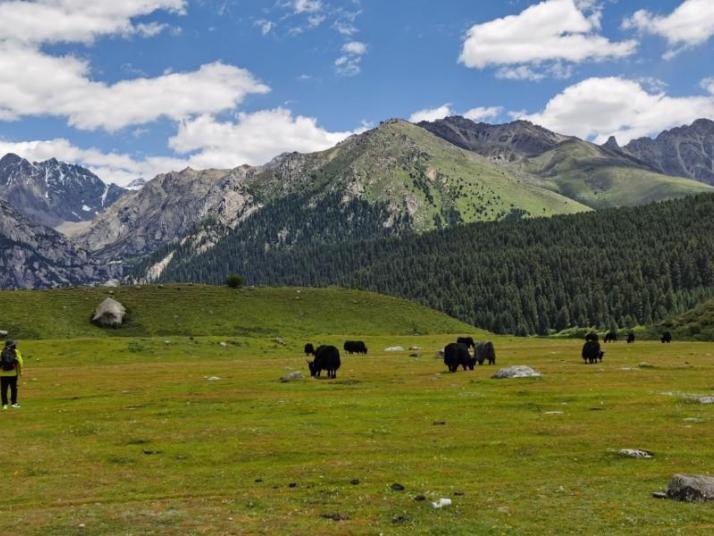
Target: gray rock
point(691, 488)
point(280, 341)
point(518, 371)
point(109, 314)
point(292, 377)
point(635, 453)
point(394, 349)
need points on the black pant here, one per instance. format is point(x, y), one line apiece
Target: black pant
point(11, 382)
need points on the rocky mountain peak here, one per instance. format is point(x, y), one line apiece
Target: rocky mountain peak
point(52, 192)
point(686, 151)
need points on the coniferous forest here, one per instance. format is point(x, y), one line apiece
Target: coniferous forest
point(617, 267)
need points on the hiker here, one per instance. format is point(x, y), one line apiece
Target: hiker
point(10, 371)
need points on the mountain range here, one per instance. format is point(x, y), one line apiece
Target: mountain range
point(396, 179)
point(52, 193)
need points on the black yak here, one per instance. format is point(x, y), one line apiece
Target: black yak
point(456, 355)
point(486, 352)
point(592, 336)
point(467, 341)
point(611, 336)
point(630, 337)
point(309, 349)
point(355, 347)
point(591, 352)
point(326, 358)
point(666, 337)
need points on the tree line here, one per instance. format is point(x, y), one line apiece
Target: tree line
point(610, 268)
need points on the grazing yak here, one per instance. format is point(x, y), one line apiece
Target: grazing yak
point(309, 349)
point(591, 352)
point(486, 352)
point(666, 337)
point(468, 342)
point(456, 355)
point(611, 336)
point(592, 336)
point(326, 358)
point(355, 347)
point(630, 337)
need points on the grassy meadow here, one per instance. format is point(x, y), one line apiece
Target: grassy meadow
point(178, 434)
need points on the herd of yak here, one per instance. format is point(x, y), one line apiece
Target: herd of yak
point(456, 354)
point(591, 349)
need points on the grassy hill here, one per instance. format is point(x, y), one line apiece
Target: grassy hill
point(188, 310)
point(697, 323)
point(599, 179)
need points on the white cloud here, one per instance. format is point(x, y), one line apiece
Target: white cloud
point(205, 143)
point(86, 104)
point(690, 24)
point(253, 139)
point(519, 72)
point(354, 47)
point(597, 108)
point(483, 113)
point(307, 6)
point(431, 114)
point(54, 21)
point(265, 25)
point(35, 83)
point(552, 31)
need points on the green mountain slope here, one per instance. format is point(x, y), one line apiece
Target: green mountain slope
point(183, 310)
point(596, 176)
point(414, 173)
point(601, 179)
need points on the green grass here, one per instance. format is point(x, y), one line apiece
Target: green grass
point(128, 436)
point(188, 310)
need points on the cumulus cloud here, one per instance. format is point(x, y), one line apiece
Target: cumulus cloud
point(77, 21)
point(552, 31)
point(483, 113)
point(690, 24)
point(597, 108)
point(431, 114)
point(253, 139)
point(86, 104)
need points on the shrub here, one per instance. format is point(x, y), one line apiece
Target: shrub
point(234, 281)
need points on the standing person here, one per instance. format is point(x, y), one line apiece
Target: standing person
point(10, 371)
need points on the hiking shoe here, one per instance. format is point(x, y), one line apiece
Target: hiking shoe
point(16, 406)
point(4, 407)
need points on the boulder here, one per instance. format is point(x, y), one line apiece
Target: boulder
point(635, 453)
point(394, 349)
point(518, 371)
point(109, 314)
point(3, 334)
point(690, 488)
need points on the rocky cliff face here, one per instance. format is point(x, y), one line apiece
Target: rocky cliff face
point(507, 142)
point(33, 256)
point(53, 192)
point(166, 209)
point(686, 151)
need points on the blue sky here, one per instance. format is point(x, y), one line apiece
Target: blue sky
point(147, 86)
